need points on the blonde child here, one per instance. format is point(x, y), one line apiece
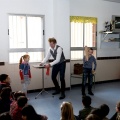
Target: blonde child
point(67, 111)
point(24, 71)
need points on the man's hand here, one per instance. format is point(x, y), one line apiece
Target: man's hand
point(41, 64)
point(47, 65)
point(93, 71)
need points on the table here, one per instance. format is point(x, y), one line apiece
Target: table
point(43, 89)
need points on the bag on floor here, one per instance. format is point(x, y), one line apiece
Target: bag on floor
point(78, 69)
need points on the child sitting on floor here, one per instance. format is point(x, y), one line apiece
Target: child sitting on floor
point(14, 105)
point(4, 81)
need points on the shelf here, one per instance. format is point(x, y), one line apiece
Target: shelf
point(109, 32)
point(113, 40)
point(105, 34)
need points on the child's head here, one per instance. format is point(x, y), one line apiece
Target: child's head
point(24, 58)
point(18, 94)
point(29, 113)
point(22, 101)
point(4, 78)
point(97, 112)
point(86, 100)
point(90, 51)
point(52, 42)
point(67, 111)
point(118, 107)
point(105, 110)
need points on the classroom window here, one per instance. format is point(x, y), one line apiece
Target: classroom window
point(83, 33)
point(26, 36)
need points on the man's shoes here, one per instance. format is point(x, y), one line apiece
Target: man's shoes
point(90, 93)
point(62, 96)
point(56, 92)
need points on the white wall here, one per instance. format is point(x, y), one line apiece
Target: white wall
point(62, 24)
point(103, 10)
point(53, 28)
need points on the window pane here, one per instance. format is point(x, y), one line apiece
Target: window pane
point(17, 31)
point(35, 32)
point(15, 57)
point(34, 56)
point(76, 55)
point(76, 34)
point(89, 35)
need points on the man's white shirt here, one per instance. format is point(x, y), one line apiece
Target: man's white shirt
point(48, 55)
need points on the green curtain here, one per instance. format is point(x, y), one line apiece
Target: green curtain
point(83, 19)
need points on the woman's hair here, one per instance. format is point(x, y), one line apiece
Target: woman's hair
point(52, 40)
point(3, 77)
point(67, 111)
point(118, 106)
point(22, 58)
point(30, 113)
point(92, 117)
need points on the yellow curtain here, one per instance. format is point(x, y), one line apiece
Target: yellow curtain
point(83, 19)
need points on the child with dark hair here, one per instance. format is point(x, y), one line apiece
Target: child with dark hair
point(29, 113)
point(21, 102)
point(5, 100)
point(105, 110)
point(101, 112)
point(97, 112)
point(86, 101)
point(14, 105)
point(4, 81)
point(5, 116)
point(116, 116)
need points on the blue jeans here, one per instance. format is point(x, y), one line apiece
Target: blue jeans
point(87, 74)
point(59, 68)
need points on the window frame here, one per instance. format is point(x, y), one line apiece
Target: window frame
point(82, 48)
point(26, 50)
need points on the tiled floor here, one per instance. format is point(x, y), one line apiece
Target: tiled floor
point(108, 93)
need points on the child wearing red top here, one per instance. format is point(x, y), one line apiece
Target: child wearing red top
point(4, 81)
point(14, 105)
point(24, 71)
point(21, 102)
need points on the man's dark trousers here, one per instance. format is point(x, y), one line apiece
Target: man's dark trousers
point(61, 69)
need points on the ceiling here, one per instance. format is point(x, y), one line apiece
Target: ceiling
point(117, 1)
